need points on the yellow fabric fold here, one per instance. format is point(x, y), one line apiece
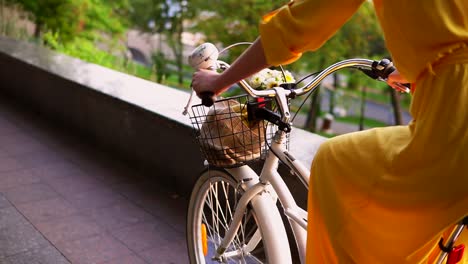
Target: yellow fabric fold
point(302, 26)
point(387, 195)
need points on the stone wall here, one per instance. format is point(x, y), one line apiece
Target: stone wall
point(138, 120)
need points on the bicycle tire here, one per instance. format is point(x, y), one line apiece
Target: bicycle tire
point(261, 218)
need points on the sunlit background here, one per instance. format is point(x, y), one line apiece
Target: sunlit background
point(152, 38)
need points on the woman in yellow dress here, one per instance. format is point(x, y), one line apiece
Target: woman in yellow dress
point(383, 195)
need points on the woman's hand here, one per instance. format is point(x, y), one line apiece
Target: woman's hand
point(252, 60)
point(396, 81)
point(206, 81)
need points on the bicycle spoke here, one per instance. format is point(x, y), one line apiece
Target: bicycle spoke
point(214, 227)
point(237, 240)
point(218, 214)
point(221, 215)
point(218, 205)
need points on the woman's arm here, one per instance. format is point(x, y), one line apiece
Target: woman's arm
point(302, 25)
point(252, 60)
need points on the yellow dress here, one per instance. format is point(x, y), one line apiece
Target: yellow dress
point(386, 195)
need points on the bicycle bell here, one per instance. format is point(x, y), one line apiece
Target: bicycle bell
point(204, 56)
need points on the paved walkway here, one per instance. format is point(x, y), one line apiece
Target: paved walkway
point(64, 201)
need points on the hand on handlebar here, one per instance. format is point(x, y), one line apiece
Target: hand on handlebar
point(204, 84)
point(205, 81)
point(203, 59)
point(397, 82)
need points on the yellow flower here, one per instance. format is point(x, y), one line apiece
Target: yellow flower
point(272, 82)
point(267, 79)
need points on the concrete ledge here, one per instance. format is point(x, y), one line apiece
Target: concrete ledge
point(134, 118)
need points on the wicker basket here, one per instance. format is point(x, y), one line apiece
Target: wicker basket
point(225, 135)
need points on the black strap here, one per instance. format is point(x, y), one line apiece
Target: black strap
point(465, 221)
point(446, 249)
point(449, 247)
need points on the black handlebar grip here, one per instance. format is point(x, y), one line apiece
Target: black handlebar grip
point(207, 98)
point(382, 69)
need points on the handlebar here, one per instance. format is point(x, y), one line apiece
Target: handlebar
point(207, 54)
point(207, 98)
point(362, 64)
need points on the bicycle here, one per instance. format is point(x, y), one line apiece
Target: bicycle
point(233, 215)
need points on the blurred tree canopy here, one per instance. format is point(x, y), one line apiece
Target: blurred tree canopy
point(92, 30)
point(361, 36)
point(227, 22)
point(168, 18)
point(108, 16)
point(55, 15)
point(71, 18)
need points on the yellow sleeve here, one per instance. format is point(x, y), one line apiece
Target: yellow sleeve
point(302, 25)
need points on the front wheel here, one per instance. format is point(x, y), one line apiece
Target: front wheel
point(261, 237)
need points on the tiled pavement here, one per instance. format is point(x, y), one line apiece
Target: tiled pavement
point(65, 201)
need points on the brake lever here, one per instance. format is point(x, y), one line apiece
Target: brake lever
point(380, 70)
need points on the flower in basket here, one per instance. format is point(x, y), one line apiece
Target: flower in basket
point(268, 78)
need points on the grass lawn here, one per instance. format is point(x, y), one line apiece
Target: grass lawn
point(368, 122)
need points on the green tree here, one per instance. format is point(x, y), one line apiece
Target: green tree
point(167, 18)
point(55, 15)
point(88, 29)
point(106, 16)
point(175, 27)
point(104, 23)
point(226, 22)
point(71, 18)
point(361, 36)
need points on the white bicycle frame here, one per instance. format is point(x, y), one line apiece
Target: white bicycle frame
point(270, 180)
